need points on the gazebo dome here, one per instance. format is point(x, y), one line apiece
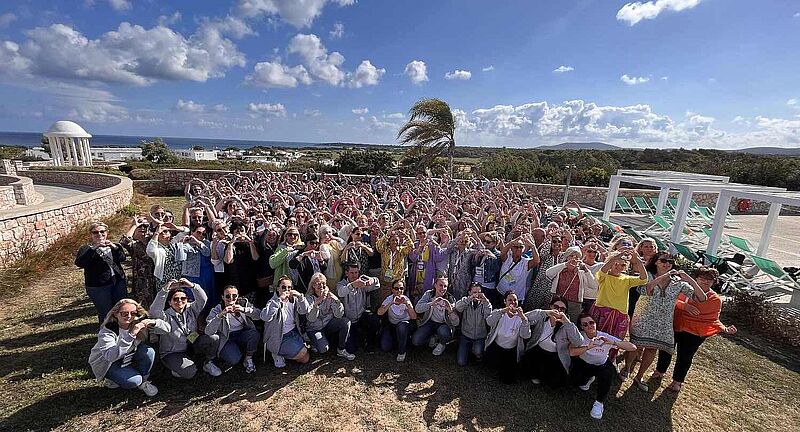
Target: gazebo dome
point(64, 128)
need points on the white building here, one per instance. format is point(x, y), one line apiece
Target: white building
point(38, 152)
point(116, 154)
point(196, 155)
point(69, 144)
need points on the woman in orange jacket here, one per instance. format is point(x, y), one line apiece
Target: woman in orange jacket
point(694, 322)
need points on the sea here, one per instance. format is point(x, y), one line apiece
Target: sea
point(33, 139)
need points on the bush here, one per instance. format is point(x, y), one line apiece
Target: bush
point(762, 316)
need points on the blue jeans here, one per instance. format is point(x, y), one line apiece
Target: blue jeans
point(398, 332)
point(340, 326)
point(465, 345)
point(134, 374)
point(363, 332)
point(424, 333)
point(105, 297)
point(291, 345)
point(242, 340)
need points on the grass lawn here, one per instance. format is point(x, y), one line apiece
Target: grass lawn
point(47, 328)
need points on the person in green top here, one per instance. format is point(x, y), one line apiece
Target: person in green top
point(279, 261)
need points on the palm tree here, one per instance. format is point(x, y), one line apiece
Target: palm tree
point(431, 129)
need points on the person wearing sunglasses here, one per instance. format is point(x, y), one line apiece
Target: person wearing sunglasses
point(121, 356)
point(103, 276)
point(652, 324)
point(282, 333)
point(546, 355)
point(354, 291)
point(694, 323)
point(310, 261)
point(516, 268)
point(474, 309)
point(287, 250)
point(142, 282)
point(232, 322)
point(326, 318)
point(400, 314)
point(591, 361)
point(184, 339)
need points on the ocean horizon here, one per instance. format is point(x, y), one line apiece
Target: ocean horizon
point(33, 139)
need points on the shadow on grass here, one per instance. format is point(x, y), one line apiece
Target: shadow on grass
point(34, 364)
point(46, 337)
point(77, 309)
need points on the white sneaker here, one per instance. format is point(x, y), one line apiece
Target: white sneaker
point(279, 361)
point(401, 358)
point(249, 366)
point(536, 381)
point(175, 374)
point(148, 388)
point(588, 384)
point(110, 384)
point(597, 410)
point(432, 343)
point(212, 369)
point(438, 350)
point(344, 354)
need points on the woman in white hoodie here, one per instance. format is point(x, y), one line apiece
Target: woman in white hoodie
point(121, 357)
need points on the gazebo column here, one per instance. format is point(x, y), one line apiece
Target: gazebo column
point(769, 228)
point(75, 160)
point(684, 198)
point(611, 199)
point(720, 213)
point(88, 151)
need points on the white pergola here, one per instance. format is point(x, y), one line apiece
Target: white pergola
point(69, 144)
point(687, 184)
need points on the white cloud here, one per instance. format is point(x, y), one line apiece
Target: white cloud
point(275, 74)
point(458, 75)
point(312, 112)
point(359, 111)
point(791, 102)
point(6, 19)
point(220, 108)
point(321, 65)
point(266, 110)
point(664, 78)
point(563, 69)
point(167, 20)
point(298, 13)
point(189, 106)
point(130, 55)
point(635, 12)
point(395, 116)
point(796, 15)
point(417, 71)
point(366, 75)
point(633, 80)
point(120, 5)
point(488, 68)
point(338, 31)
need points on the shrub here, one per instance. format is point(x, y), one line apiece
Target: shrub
point(761, 316)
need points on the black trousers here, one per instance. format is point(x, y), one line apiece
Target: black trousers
point(686, 346)
point(581, 372)
point(545, 366)
point(504, 360)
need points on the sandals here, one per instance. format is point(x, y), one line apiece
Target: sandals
point(623, 375)
point(675, 387)
point(641, 386)
point(655, 376)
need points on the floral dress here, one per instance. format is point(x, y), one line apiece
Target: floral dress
point(539, 296)
point(651, 326)
point(143, 283)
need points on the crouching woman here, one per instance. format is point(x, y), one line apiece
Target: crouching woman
point(282, 324)
point(232, 321)
point(508, 329)
point(121, 358)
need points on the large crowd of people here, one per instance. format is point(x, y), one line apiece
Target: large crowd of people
point(291, 264)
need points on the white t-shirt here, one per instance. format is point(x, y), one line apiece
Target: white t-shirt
point(508, 331)
point(288, 317)
point(396, 312)
point(599, 354)
point(236, 323)
point(438, 312)
point(545, 341)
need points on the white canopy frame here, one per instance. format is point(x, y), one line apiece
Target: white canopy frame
point(776, 199)
point(686, 184)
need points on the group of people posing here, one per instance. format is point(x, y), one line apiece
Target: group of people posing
point(289, 265)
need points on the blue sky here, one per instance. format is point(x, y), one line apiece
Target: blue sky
point(661, 73)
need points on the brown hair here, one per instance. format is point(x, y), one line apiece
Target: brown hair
point(706, 272)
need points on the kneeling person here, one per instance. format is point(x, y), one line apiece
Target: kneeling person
point(282, 324)
point(326, 317)
point(232, 322)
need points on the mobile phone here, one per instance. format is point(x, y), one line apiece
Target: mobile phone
point(364, 278)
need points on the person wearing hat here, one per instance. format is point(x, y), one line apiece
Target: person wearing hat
point(570, 279)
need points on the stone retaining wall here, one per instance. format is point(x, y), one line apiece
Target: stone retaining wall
point(17, 190)
point(152, 188)
point(36, 227)
point(174, 181)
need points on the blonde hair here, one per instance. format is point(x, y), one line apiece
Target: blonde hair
point(111, 316)
point(97, 224)
point(317, 277)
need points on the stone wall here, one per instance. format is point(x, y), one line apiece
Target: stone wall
point(152, 188)
point(174, 180)
point(17, 190)
point(38, 226)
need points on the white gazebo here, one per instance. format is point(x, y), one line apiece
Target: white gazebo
point(69, 144)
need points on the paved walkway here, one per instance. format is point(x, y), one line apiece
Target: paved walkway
point(53, 192)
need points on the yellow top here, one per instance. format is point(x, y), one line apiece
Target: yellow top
point(613, 290)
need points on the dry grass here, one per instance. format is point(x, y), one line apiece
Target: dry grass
point(45, 384)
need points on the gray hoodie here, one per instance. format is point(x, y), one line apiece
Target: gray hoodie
point(320, 315)
point(181, 324)
point(567, 334)
point(274, 316)
point(220, 324)
point(355, 299)
point(473, 319)
point(424, 307)
point(113, 345)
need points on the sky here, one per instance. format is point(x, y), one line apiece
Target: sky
point(516, 73)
